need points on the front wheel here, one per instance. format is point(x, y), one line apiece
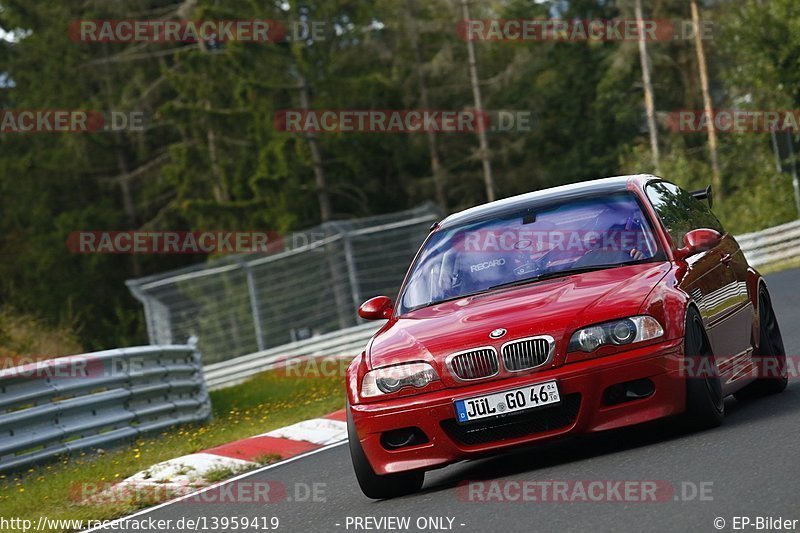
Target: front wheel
point(705, 404)
point(373, 485)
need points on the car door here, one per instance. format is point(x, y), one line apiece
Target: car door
point(715, 279)
point(733, 324)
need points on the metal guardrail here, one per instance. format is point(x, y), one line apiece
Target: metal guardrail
point(345, 343)
point(771, 245)
point(61, 406)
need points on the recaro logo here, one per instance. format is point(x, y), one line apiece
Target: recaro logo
point(487, 264)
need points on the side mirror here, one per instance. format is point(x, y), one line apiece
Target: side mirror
point(699, 240)
point(376, 308)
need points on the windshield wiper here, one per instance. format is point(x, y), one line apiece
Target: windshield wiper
point(558, 274)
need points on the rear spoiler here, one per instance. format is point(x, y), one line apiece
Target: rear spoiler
point(704, 194)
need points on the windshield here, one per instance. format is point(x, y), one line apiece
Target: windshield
point(584, 234)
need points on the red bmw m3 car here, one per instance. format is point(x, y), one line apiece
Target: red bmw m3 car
point(565, 311)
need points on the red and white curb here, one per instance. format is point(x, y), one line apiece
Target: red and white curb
point(188, 473)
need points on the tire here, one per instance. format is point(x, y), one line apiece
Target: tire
point(705, 405)
point(373, 485)
point(770, 353)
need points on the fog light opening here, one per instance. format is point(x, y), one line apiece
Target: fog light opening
point(402, 438)
point(628, 391)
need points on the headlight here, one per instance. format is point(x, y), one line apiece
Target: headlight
point(617, 332)
point(393, 378)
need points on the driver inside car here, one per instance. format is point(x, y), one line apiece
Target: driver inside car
point(623, 234)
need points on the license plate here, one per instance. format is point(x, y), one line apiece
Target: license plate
point(511, 401)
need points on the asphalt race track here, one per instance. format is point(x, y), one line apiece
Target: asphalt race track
point(750, 465)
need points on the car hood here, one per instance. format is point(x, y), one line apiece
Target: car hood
point(554, 307)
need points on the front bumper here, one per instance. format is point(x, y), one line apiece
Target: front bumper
point(582, 410)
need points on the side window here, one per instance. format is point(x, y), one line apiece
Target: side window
point(680, 211)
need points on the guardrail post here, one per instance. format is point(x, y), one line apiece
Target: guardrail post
point(203, 388)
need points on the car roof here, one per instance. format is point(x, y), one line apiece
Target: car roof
point(545, 197)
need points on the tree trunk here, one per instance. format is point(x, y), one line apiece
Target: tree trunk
point(649, 101)
point(476, 93)
point(439, 177)
point(320, 180)
point(716, 179)
point(335, 253)
point(220, 188)
point(123, 164)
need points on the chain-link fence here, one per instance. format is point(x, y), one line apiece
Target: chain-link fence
point(248, 303)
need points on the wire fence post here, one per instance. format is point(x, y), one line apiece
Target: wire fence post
point(251, 289)
point(337, 276)
point(351, 271)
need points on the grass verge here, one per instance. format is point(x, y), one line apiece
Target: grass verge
point(268, 401)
